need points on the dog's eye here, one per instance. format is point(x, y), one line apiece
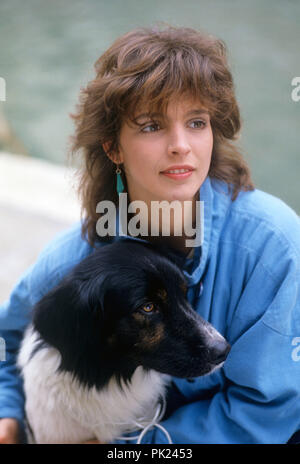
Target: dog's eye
point(148, 307)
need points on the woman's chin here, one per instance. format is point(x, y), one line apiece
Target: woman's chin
point(183, 194)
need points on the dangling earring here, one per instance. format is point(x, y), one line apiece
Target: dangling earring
point(120, 185)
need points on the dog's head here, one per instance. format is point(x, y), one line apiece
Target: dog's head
point(125, 306)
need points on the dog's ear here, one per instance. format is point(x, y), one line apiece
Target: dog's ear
point(69, 319)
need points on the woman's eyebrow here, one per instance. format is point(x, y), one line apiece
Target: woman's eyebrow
point(147, 115)
point(195, 112)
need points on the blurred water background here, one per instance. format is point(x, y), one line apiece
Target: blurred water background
point(48, 49)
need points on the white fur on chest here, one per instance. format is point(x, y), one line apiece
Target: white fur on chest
point(60, 410)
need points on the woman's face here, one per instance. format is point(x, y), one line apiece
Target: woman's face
point(167, 157)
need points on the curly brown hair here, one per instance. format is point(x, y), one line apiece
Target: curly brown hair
point(148, 66)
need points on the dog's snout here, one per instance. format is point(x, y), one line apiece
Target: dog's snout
point(219, 351)
point(217, 346)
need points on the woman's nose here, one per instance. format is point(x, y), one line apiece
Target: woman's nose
point(178, 143)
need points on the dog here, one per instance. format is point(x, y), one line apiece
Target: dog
point(103, 344)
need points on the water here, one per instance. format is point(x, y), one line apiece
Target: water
point(47, 52)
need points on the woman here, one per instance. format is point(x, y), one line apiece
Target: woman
point(159, 122)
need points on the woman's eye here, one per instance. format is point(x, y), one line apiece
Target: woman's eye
point(198, 124)
point(148, 307)
point(151, 127)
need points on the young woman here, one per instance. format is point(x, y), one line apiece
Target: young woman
point(159, 122)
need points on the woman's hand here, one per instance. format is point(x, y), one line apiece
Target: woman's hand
point(9, 431)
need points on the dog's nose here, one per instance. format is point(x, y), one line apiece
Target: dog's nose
point(219, 351)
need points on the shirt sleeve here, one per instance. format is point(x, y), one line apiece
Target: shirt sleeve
point(54, 261)
point(11, 388)
point(259, 398)
point(13, 320)
point(15, 315)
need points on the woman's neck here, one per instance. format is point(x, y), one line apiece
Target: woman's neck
point(177, 243)
point(169, 223)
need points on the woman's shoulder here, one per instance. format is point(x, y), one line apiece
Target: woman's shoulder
point(266, 207)
point(260, 222)
point(66, 247)
point(57, 258)
point(270, 215)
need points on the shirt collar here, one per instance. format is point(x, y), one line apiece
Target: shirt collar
point(193, 267)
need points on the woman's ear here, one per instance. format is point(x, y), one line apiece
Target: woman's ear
point(113, 155)
point(106, 147)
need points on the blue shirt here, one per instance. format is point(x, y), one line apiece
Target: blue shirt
point(244, 280)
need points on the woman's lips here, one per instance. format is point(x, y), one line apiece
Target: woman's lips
point(178, 172)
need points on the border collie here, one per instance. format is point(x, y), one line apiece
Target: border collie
point(104, 343)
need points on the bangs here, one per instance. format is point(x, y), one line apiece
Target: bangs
point(172, 75)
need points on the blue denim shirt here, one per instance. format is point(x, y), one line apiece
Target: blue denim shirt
point(245, 280)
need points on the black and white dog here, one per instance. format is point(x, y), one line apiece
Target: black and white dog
point(103, 344)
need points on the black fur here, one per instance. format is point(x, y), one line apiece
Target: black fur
point(95, 318)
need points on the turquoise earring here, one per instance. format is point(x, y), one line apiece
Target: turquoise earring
point(120, 185)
